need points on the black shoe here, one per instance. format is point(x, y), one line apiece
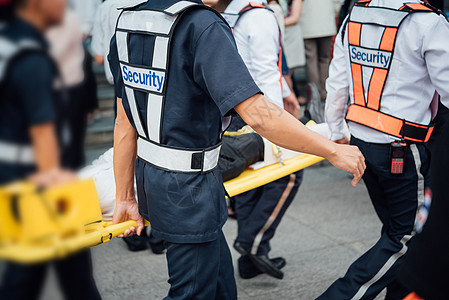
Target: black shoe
point(265, 265)
point(137, 243)
point(261, 262)
point(247, 270)
point(239, 248)
point(156, 245)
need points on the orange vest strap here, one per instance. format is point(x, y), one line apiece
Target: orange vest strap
point(357, 79)
point(376, 88)
point(354, 33)
point(413, 296)
point(363, 2)
point(280, 67)
point(388, 39)
point(416, 7)
point(389, 124)
point(255, 4)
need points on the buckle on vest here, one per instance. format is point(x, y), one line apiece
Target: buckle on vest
point(198, 161)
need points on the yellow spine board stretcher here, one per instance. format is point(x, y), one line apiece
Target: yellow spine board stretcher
point(42, 225)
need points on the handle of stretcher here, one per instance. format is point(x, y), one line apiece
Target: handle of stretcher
point(117, 229)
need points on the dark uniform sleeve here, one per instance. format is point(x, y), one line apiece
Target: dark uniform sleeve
point(114, 65)
point(32, 78)
point(219, 69)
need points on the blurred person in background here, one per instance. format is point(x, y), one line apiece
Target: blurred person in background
point(28, 137)
point(86, 11)
point(318, 27)
point(260, 211)
point(103, 30)
point(293, 40)
point(288, 94)
point(66, 49)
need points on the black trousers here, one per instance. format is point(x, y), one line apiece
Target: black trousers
point(260, 211)
point(396, 200)
point(72, 125)
point(201, 271)
point(75, 276)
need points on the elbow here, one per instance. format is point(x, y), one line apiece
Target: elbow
point(261, 125)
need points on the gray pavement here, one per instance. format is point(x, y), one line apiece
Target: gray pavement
point(328, 226)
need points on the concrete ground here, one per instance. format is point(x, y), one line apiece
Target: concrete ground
point(328, 226)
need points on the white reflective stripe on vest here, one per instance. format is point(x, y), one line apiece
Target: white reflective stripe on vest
point(154, 112)
point(160, 53)
point(16, 154)
point(9, 49)
point(379, 16)
point(146, 21)
point(135, 114)
point(177, 7)
point(122, 46)
point(177, 160)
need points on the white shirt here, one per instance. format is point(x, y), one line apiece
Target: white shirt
point(318, 19)
point(420, 65)
point(104, 29)
point(86, 11)
point(257, 38)
point(66, 48)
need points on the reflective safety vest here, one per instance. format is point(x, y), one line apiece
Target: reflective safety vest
point(13, 153)
point(233, 19)
point(366, 110)
point(152, 80)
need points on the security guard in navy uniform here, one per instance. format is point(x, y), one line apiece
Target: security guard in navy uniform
point(178, 78)
point(389, 58)
point(260, 211)
point(28, 141)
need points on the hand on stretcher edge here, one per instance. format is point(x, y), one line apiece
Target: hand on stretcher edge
point(126, 210)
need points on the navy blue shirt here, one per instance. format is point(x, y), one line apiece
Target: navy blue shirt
point(206, 79)
point(27, 97)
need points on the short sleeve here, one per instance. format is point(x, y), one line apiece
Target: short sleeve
point(98, 35)
point(32, 77)
point(114, 65)
point(219, 69)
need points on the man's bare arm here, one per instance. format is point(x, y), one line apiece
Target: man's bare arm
point(275, 124)
point(125, 152)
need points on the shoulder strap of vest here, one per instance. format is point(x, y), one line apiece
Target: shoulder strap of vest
point(232, 18)
point(9, 50)
point(254, 5)
point(413, 7)
point(363, 3)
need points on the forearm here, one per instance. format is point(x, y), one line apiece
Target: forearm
point(45, 147)
point(281, 128)
point(125, 152)
point(293, 18)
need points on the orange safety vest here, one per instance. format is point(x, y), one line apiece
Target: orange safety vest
point(233, 19)
point(366, 111)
